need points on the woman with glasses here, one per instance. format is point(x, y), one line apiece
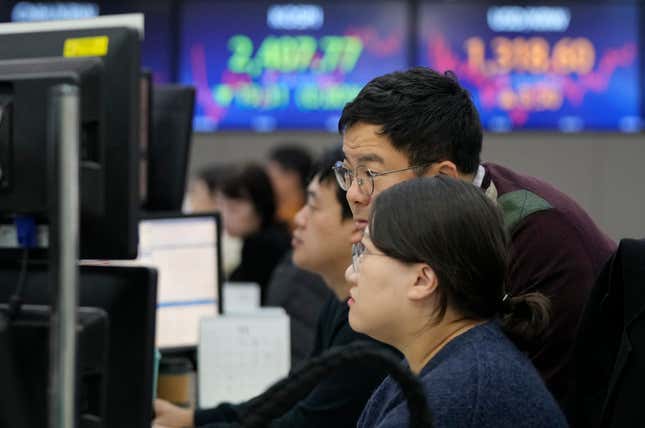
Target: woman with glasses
point(429, 279)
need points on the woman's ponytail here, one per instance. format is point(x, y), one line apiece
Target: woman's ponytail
point(525, 318)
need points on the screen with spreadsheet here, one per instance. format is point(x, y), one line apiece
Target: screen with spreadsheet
point(184, 249)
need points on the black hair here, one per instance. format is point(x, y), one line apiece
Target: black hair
point(323, 171)
point(214, 176)
point(292, 157)
point(425, 114)
point(457, 230)
point(251, 182)
point(278, 399)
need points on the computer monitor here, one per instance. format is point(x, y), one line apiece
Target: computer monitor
point(185, 250)
point(128, 294)
point(24, 87)
point(172, 130)
point(24, 366)
point(109, 182)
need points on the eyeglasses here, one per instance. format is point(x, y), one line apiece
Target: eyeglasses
point(364, 176)
point(358, 251)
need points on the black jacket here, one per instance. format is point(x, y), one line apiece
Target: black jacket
point(610, 351)
point(261, 253)
point(302, 294)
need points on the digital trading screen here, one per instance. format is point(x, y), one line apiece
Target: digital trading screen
point(262, 66)
point(568, 67)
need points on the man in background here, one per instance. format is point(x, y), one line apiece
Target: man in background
point(289, 167)
point(321, 244)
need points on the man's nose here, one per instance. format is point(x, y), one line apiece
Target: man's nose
point(299, 219)
point(355, 195)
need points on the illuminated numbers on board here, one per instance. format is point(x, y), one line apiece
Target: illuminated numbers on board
point(573, 56)
point(532, 55)
point(242, 50)
point(294, 54)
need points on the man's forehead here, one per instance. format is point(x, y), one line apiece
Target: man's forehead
point(363, 153)
point(364, 143)
point(323, 192)
point(313, 187)
point(362, 136)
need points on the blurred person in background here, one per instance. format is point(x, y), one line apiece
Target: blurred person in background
point(202, 198)
point(321, 244)
point(289, 167)
point(296, 284)
point(247, 203)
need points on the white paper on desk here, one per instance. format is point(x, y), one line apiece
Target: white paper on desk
point(241, 355)
point(240, 297)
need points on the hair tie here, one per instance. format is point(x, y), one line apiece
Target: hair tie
point(506, 306)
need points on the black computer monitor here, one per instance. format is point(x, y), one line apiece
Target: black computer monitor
point(172, 126)
point(24, 366)
point(109, 143)
point(128, 295)
point(24, 88)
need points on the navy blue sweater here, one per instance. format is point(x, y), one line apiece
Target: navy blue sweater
point(479, 379)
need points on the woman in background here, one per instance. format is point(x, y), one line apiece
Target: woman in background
point(202, 198)
point(429, 280)
point(247, 203)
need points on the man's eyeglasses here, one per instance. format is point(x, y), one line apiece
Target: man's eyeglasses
point(364, 176)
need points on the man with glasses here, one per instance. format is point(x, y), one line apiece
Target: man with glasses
point(320, 245)
point(422, 123)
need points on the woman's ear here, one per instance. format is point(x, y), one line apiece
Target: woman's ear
point(425, 284)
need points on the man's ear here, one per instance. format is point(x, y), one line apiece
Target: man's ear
point(425, 285)
point(447, 168)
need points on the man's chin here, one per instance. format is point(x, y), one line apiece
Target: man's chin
point(300, 262)
point(357, 235)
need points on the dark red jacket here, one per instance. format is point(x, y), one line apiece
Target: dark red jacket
point(556, 249)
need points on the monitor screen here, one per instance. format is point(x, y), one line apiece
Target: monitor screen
point(127, 295)
point(264, 65)
point(109, 137)
point(171, 118)
point(566, 66)
point(184, 250)
point(25, 362)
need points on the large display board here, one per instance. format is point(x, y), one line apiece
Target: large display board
point(264, 65)
point(569, 66)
